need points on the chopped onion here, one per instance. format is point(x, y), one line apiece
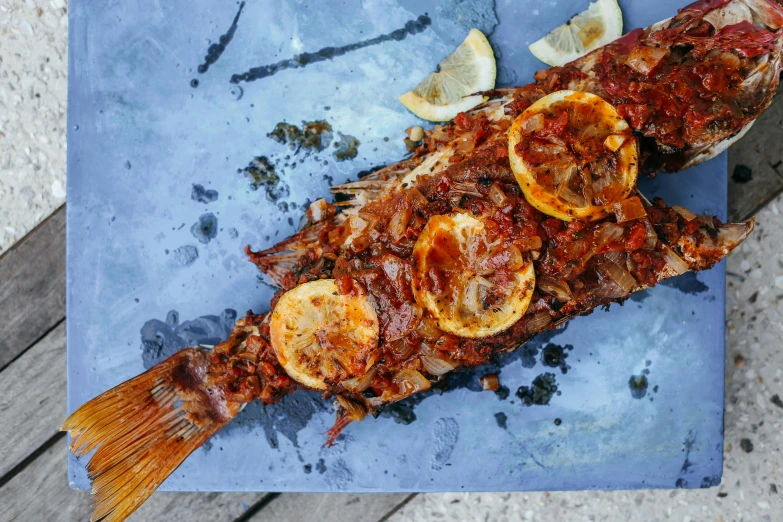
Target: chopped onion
point(563, 172)
point(490, 382)
point(466, 143)
point(360, 383)
point(619, 275)
point(354, 410)
point(605, 233)
point(417, 198)
point(615, 141)
point(515, 259)
point(570, 196)
point(538, 322)
point(320, 210)
point(398, 224)
point(248, 356)
point(406, 382)
point(441, 133)
point(533, 124)
point(428, 329)
point(674, 261)
point(629, 209)
point(644, 59)
point(686, 214)
point(555, 287)
point(437, 365)
point(415, 133)
point(497, 196)
point(361, 243)
point(473, 293)
point(400, 349)
point(651, 238)
point(615, 257)
point(529, 243)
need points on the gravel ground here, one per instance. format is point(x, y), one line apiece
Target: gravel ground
point(33, 87)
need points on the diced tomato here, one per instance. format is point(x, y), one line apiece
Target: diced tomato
point(637, 114)
point(555, 126)
point(444, 186)
point(691, 227)
point(266, 369)
point(462, 121)
point(344, 284)
point(636, 237)
point(552, 226)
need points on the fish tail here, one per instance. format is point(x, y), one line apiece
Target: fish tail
point(144, 429)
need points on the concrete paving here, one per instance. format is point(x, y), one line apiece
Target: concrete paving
point(33, 88)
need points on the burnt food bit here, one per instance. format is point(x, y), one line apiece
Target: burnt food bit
point(262, 174)
point(638, 386)
point(312, 136)
point(347, 147)
point(540, 391)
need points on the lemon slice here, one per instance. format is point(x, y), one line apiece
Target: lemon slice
point(573, 155)
point(595, 27)
point(444, 94)
point(472, 288)
point(321, 337)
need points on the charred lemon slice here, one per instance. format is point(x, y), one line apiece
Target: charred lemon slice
point(573, 155)
point(321, 337)
point(473, 288)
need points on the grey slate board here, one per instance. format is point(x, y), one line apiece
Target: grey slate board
point(140, 136)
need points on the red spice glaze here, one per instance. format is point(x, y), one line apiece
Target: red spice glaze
point(244, 367)
point(571, 253)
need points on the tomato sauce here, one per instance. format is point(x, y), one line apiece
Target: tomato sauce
point(564, 146)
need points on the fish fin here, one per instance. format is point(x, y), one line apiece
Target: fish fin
point(340, 423)
point(708, 245)
point(144, 429)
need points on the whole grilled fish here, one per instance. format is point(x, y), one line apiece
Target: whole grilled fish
point(439, 262)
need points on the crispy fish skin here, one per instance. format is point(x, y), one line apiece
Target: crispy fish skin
point(144, 428)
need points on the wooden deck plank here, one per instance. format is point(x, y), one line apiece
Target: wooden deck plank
point(41, 492)
point(33, 399)
point(330, 507)
point(32, 286)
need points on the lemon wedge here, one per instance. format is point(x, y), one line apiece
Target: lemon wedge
point(573, 155)
point(471, 287)
point(444, 94)
point(595, 27)
point(321, 337)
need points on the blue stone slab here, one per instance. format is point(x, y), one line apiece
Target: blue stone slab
point(155, 264)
